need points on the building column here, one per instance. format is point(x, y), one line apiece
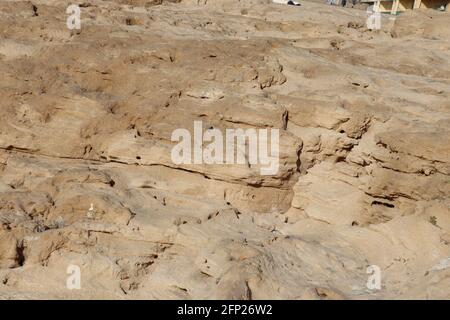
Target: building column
point(395, 6)
point(376, 6)
point(417, 4)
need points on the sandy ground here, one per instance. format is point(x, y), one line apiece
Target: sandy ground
point(87, 179)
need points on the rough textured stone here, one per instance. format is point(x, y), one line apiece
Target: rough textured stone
point(86, 176)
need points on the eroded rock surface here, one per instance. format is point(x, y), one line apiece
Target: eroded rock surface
point(86, 176)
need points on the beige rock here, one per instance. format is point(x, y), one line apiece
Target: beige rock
point(87, 178)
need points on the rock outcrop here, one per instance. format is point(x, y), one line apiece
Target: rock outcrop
point(87, 179)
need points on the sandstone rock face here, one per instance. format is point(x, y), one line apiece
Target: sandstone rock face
point(87, 178)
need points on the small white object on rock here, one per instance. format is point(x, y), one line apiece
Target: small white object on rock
point(90, 213)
